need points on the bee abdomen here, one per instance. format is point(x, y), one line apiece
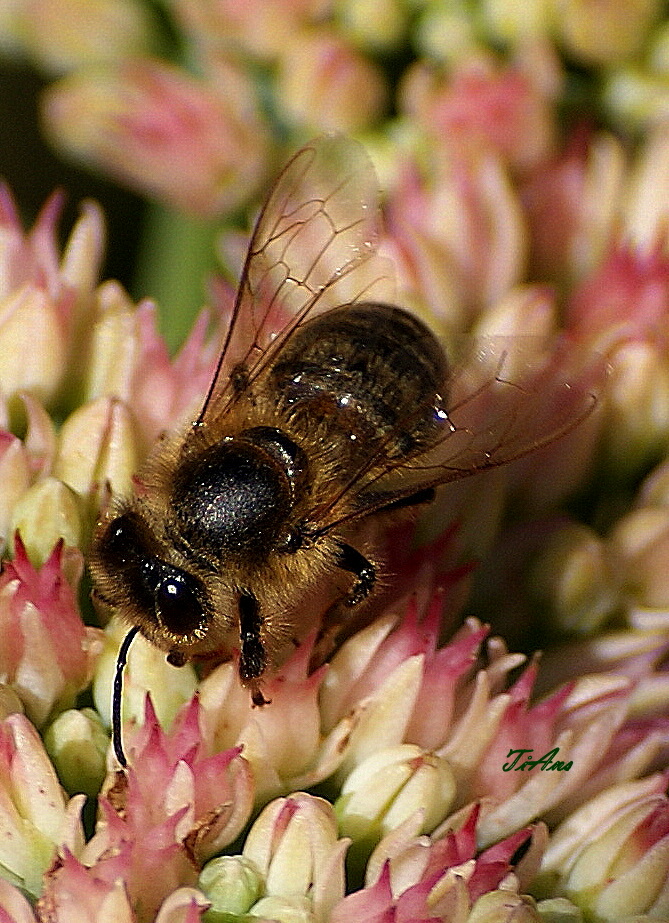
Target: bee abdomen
point(371, 373)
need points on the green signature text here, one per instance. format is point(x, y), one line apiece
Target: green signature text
point(547, 761)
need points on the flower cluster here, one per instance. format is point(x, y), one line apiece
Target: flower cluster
point(421, 771)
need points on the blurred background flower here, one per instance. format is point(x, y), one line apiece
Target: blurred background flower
point(523, 158)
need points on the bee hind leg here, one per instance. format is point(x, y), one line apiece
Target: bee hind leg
point(349, 559)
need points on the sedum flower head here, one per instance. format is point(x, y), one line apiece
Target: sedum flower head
point(422, 770)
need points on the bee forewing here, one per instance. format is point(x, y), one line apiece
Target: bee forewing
point(313, 248)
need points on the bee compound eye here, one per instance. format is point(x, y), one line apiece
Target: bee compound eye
point(177, 605)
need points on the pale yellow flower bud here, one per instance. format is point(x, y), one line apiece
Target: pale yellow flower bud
point(605, 32)
point(147, 670)
point(82, 255)
point(114, 345)
point(444, 31)
point(640, 542)
point(295, 846)
point(77, 743)
point(35, 816)
point(635, 98)
point(32, 344)
point(59, 35)
point(232, 884)
point(374, 25)
point(284, 910)
point(645, 212)
point(14, 481)
point(47, 512)
point(97, 448)
point(637, 424)
point(390, 786)
point(504, 907)
point(624, 869)
point(510, 21)
point(323, 84)
point(574, 576)
point(525, 311)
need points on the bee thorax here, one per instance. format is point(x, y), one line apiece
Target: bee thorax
point(237, 496)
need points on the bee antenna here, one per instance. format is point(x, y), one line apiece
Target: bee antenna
point(116, 695)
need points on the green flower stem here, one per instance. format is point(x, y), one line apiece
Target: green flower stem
point(177, 256)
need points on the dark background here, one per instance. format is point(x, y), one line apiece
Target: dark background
point(32, 171)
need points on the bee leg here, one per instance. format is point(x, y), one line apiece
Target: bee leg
point(355, 563)
point(252, 658)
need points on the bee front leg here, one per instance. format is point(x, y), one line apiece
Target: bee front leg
point(252, 657)
point(349, 559)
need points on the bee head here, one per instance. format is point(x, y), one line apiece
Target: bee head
point(168, 603)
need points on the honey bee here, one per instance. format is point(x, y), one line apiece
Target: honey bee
point(329, 409)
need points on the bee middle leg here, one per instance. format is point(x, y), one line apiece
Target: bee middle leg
point(349, 559)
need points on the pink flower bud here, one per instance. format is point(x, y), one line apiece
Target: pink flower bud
point(483, 108)
point(46, 651)
point(200, 145)
point(42, 297)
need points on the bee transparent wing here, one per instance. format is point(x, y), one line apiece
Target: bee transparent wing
point(502, 405)
point(313, 248)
